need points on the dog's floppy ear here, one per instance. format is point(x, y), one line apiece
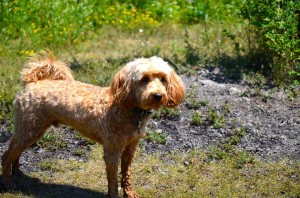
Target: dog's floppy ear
point(121, 90)
point(175, 90)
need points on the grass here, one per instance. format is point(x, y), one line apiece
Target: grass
point(190, 174)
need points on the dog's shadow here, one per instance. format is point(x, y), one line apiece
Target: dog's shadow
point(29, 186)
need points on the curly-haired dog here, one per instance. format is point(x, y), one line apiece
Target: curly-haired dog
point(114, 116)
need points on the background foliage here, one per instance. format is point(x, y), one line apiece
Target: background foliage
point(52, 23)
point(277, 28)
point(243, 36)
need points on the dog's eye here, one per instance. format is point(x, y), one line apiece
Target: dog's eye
point(145, 79)
point(163, 79)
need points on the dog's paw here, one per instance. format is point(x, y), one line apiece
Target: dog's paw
point(9, 186)
point(17, 172)
point(132, 194)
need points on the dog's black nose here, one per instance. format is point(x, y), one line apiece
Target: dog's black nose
point(157, 97)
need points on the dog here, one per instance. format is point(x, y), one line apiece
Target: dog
point(114, 116)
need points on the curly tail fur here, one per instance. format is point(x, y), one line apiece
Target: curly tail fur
point(43, 66)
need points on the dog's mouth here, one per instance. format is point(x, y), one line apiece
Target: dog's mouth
point(149, 106)
point(154, 101)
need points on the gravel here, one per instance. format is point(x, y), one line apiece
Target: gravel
point(270, 117)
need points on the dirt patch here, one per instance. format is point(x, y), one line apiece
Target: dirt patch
point(271, 119)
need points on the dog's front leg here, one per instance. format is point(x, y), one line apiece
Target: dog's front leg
point(112, 158)
point(126, 160)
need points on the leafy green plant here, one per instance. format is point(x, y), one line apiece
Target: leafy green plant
point(255, 79)
point(226, 108)
point(79, 152)
point(45, 165)
point(154, 136)
point(215, 119)
point(212, 115)
point(233, 138)
point(193, 103)
point(204, 102)
point(227, 147)
point(196, 118)
point(169, 113)
point(216, 153)
point(277, 26)
point(243, 158)
point(293, 89)
point(219, 122)
point(51, 141)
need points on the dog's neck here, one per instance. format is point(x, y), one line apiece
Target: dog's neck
point(141, 114)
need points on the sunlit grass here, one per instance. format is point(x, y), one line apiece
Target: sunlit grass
point(190, 174)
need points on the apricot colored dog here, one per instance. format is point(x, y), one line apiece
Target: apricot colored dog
point(114, 116)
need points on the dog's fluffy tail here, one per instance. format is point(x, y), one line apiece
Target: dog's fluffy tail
point(43, 66)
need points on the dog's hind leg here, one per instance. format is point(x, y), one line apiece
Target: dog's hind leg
point(10, 159)
point(26, 133)
point(16, 166)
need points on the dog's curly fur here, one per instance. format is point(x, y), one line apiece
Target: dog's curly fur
point(112, 116)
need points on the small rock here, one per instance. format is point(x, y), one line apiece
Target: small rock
point(188, 145)
point(294, 175)
point(234, 91)
point(4, 137)
point(216, 70)
point(41, 150)
point(159, 131)
point(203, 73)
point(212, 84)
point(245, 99)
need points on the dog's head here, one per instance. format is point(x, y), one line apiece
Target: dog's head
point(147, 83)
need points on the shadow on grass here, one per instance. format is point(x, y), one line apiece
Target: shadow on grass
point(29, 186)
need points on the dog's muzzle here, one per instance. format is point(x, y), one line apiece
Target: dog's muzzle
point(157, 97)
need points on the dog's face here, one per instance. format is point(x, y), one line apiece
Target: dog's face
point(151, 89)
point(147, 84)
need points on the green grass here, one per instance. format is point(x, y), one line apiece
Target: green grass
point(190, 174)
